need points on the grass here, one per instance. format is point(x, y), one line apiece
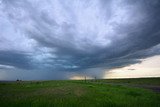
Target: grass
point(136, 81)
point(78, 94)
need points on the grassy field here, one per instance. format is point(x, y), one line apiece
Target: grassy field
point(79, 93)
point(136, 81)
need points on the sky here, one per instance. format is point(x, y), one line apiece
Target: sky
point(149, 67)
point(70, 39)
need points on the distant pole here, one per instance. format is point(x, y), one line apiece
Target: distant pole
point(85, 79)
point(95, 79)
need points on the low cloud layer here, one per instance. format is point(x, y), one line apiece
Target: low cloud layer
point(53, 39)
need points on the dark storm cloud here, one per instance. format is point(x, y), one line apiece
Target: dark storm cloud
point(19, 60)
point(78, 36)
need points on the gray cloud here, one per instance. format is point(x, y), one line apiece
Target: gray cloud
point(77, 36)
point(19, 60)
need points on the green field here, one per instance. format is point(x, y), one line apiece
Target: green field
point(72, 93)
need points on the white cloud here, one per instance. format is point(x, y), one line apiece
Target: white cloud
point(6, 67)
point(149, 67)
point(67, 21)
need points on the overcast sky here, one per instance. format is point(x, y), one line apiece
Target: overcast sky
point(58, 39)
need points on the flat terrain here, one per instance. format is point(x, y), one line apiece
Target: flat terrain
point(72, 93)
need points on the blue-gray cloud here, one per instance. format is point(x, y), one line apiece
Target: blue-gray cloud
point(77, 35)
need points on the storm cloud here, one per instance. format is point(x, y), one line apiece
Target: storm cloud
point(55, 38)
